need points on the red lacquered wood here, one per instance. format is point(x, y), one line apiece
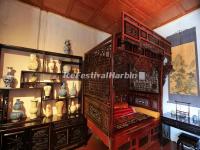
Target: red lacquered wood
point(100, 112)
point(104, 138)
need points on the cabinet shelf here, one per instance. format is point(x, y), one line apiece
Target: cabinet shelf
point(38, 120)
point(34, 88)
point(60, 99)
point(41, 72)
point(40, 82)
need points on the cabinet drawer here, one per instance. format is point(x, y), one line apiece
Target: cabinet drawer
point(14, 140)
point(76, 134)
point(60, 138)
point(40, 138)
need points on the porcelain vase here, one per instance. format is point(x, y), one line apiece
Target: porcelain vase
point(51, 65)
point(63, 91)
point(66, 69)
point(17, 112)
point(33, 63)
point(47, 91)
point(59, 108)
point(67, 47)
point(72, 108)
point(48, 112)
point(33, 109)
point(72, 91)
point(8, 79)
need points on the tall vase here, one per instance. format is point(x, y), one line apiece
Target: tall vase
point(33, 109)
point(67, 47)
point(51, 65)
point(63, 91)
point(72, 91)
point(8, 78)
point(59, 108)
point(48, 112)
point(72, 108)
point(33, 63)
point(47, 91)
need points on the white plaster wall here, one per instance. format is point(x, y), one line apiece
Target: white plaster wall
point(19, 25)
point(186, 22)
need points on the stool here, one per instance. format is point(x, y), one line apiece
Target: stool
point(188, 140)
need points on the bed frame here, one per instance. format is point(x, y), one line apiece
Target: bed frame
point(147, 55)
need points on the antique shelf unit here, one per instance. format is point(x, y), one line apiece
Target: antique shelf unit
point(138, 50)
point(56, 132)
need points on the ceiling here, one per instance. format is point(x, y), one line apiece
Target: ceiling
point(106, 14)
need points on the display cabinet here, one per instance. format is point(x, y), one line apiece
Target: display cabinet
point(4, 94)
point(57, 129)
point(124, 112)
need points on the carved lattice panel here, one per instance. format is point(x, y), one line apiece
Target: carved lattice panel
point(99, 113)
point(61, 138)
point(98, 61)
point(14, 141)
point(40, 138)
point(75, 134)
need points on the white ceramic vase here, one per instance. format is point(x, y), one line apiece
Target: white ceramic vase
point(48, 112)
point(72, 108)
point(59, 108)
point(66, 69)
point(47, 90)
point(72, 90)
point(33, 109)
point(33, 63)
point(51, 65)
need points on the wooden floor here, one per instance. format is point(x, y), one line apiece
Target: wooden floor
point(95, 144)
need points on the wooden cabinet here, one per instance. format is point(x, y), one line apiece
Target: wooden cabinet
point(14, 140)
point(40, 137)
point(52, 135)
point(56, 132)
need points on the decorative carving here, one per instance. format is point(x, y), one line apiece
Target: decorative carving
point(98, 113)
point(40, 138)
point(131, 30)
point(98, 61)
point(14, 141)
point(75, 134)
point(61, 137)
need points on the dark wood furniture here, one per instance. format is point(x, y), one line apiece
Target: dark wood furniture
point(43, 134)
point(187, 140)
point(178, 122)
point(68, 131)
point(139, 50)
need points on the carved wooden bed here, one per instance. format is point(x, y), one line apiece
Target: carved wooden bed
point(125, 113)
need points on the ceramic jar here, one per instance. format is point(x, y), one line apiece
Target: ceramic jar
point(59, 108)
point(48, 112)
point(67, 47)
point(72, 108)
point(33, 78)
point(33, 63)
point(17, 112)
point(63, 91)
point(72, 90)
point(33, 109)
point(8, 78)
point(51, 65)
point(66, 69)
point(47, 91)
